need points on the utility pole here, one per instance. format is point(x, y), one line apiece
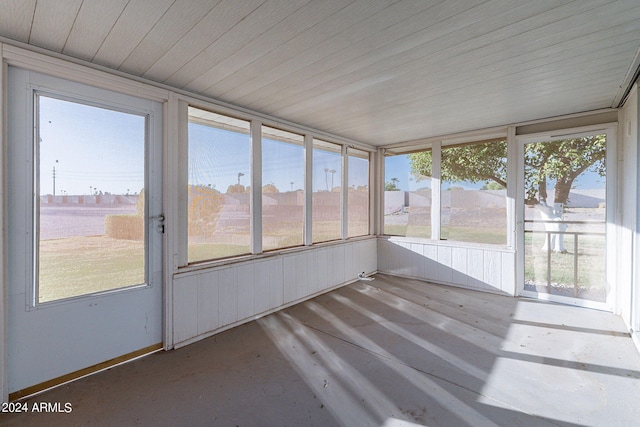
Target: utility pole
point(54, 179)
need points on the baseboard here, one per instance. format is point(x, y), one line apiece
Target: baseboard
point(55, 382)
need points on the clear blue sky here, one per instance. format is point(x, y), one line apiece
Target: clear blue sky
point(217, 156)
point(96, 149)
point(90, 148)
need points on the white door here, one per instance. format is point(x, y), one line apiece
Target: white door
point(566, 193)
point(84, 228)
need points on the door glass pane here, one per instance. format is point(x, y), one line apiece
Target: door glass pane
point(565, 219)
point(90, 200)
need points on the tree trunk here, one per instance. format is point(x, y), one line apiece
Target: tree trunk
point(562, 191)
point(542, 189)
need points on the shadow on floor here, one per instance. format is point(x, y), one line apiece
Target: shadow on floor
point(392, 352)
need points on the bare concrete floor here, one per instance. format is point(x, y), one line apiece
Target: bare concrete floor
point(392, 352)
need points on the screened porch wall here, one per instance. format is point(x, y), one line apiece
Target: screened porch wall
point(209, 301)
point(482, 268)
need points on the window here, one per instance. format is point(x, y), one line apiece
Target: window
point(407, 195)
point(219, 169)
point(282, 189)
point(327, 179)
point(90, 199)
point(473, 196)
point(358, 193)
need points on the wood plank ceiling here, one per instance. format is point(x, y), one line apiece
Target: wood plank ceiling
point(377, 71)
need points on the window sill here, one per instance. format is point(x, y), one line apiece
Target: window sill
point(449, 243)
point(210, 264)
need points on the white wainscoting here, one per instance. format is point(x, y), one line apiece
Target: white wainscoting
point(484, 268)
point(211, 300)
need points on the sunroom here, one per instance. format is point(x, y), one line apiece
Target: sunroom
point(172, 170)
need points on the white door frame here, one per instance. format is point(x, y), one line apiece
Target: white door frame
point(138, 310)
point(610, 129)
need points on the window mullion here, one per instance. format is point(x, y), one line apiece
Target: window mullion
point(256, 187)
point(436, 189)
point(308, 190)
point(344, 193)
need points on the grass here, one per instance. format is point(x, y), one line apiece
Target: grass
point(209, 251)
point(407, 230)
point(491, 236)
point(82, 265)
point(591, 261)
point(459, 234)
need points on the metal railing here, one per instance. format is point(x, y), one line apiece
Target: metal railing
point(550, 233)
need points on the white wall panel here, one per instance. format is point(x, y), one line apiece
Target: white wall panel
point(246, 291)
point(431, 262)
point(276, 283)
point(228, 293)
point(323, 268)
point(475, 268)
point(208, 285)
point(290, 278)
point(493, 270)
point(311, 274)
point(487, 268)
point(262, 286)
point(508, 273)
point(337, 264)
point(628, 191)
point(210, 300)
point(185, 299)
point(459, 266)
point(417, 263)
point(445, 273)
point(408, 260)
point(372, 256)
point(350, 269)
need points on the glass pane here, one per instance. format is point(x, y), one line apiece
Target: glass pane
point(327, 176)
point(219, 219)
point(474, 196)
point(565, 218)
point(358, 195)
point(91, 221)
point(407, 196)
point(282, 188)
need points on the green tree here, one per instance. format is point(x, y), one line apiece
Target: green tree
point(562, 161)
point(492, 185)
point(392, 186)
point(473, 163)
point(236, 188)
point(270, 188)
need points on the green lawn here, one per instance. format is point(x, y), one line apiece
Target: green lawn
point(82, 265)
point(591, 261)
point(209, 251)
point(489, 236)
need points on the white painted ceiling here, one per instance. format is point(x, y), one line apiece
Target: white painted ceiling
point(377, 71)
